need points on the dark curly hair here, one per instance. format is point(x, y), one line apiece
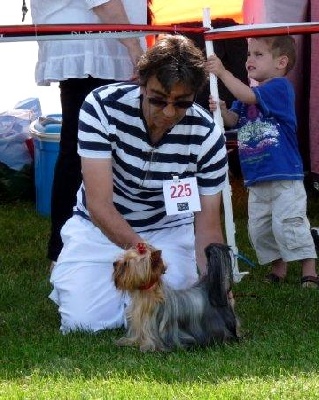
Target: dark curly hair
point(174, 59)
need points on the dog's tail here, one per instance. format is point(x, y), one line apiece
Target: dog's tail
point(219, 273)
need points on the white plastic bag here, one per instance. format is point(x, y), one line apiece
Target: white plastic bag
point(14, 133)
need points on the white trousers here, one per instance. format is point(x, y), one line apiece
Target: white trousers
point(82, 281)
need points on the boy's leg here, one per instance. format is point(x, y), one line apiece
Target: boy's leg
point(260, 227)
point(309, 273)
point(278, 269)
point(290, 223)
point(292, 227)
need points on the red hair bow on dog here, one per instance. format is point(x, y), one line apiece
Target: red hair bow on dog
point(141, 248)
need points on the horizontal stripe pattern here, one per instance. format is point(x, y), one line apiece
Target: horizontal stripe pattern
point(111, 125)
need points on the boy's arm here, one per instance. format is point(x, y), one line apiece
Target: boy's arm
point(230, 118)
point(240, 90)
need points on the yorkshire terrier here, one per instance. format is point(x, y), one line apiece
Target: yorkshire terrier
point(160, 318)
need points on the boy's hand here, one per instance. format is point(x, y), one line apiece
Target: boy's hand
point(213, 105)
point(214, 65)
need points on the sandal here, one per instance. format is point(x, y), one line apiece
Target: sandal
point(310, 282)
point(273, 278)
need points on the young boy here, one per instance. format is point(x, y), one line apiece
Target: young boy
point(270, 160)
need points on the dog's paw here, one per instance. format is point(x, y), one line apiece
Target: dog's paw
point(148, 346)
point(125, 341)
point(153, 346)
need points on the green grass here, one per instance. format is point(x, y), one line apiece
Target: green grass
point(276, 359)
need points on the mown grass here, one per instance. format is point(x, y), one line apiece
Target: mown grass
point(276, 359)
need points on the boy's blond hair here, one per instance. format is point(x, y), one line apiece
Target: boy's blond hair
point(282, 46)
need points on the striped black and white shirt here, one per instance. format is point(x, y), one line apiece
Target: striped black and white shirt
point(112, 125)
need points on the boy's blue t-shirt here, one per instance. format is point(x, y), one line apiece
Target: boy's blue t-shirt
point(267, 139)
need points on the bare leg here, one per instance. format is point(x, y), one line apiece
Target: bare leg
point(279, 268)
point(309, 274)
point(309, 267)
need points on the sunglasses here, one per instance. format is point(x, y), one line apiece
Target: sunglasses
point(183, 104)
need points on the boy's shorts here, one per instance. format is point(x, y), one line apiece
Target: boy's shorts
point(277, 221)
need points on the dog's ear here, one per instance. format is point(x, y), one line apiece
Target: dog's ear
point(156, 257)
point(157, 264)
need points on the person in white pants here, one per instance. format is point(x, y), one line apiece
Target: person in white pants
point(154, 164)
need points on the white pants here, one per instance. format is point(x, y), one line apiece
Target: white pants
point(82, 281)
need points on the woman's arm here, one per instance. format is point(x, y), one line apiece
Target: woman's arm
point(113, 12)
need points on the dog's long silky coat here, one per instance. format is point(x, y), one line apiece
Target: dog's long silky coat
point(160, 318)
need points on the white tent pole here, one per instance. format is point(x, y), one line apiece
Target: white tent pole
point(228, 209)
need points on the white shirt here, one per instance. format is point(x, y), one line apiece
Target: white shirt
point(101, 58)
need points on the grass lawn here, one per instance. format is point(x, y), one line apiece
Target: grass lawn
point(278, 357)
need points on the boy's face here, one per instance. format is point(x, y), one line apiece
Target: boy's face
point(261, 65)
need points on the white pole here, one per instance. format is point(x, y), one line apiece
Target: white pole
point(228, 209)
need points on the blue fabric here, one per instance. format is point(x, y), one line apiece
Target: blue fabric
point(267, 139)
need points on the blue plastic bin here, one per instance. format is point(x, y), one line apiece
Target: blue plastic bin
point(46, 139)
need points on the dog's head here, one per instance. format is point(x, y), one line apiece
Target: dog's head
point(139, 268)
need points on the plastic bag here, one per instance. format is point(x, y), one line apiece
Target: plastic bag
point(16, 148)
point(14, 133)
